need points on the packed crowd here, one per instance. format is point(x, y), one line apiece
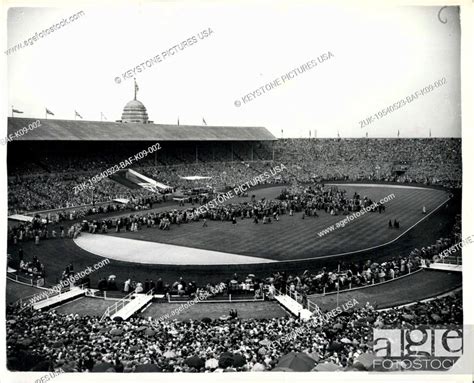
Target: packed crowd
point(41, 224)
point(47, 192)
point(443, 243)
point(332, 200)
point(49, 340)
point(427, 161)
point(434, 161)
point(308, 200)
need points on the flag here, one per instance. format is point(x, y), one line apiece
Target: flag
point(398, 134)
point(136, 88)
point(204, 121)
point(49, 112)
point(77, 114)
point(102, 116)
point(16, 111)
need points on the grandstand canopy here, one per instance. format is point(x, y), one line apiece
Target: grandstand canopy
point(71, 130)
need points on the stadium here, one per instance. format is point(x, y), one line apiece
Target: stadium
point(196, 286)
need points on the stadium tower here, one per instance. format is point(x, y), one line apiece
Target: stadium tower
point(135, 111)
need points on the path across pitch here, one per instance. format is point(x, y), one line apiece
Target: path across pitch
point(131, 250)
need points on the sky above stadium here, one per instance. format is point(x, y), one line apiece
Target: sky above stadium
point(353, 63)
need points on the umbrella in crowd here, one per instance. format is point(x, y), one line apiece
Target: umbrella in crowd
point(149, 332)
point(147, 368)
point(314, 355)
point(327, 367)
point(70, 367)
point(103, 367)
point(226, 360)
point(195, 361)
point(41, 366)
point(116, 331)
point(365, 361)
point(282, 369)
point(238, 360)
point(295, 361)
point(335, 346)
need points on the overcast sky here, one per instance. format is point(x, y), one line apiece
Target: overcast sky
point(379, 57)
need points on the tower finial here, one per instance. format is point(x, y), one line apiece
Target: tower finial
point(136, 88)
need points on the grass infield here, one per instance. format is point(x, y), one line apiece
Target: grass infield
point(294, 238)
point(299, 237)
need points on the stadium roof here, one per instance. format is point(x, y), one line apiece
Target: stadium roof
point(71, 130)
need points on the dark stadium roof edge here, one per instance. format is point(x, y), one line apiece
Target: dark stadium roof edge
point(72, 130)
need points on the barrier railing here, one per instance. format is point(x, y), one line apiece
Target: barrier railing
point(111, 310)
point(30, 300)
point(217, 299)
point(19, 278)
point(298, 297)
point(451, 260)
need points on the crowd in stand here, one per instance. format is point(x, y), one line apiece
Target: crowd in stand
point(427, 161)
point(429, 252)
point(46, 192)
point(39, 340)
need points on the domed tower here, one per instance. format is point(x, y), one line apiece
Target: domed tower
point(135, 111)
